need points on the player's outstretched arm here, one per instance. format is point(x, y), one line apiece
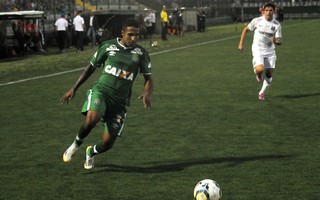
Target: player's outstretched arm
point(68, 96)
point(83, 77)
point(148, 89)
point(243, 35)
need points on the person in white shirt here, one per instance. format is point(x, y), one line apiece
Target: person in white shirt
point(152, 16)
point(79, 27)
point(148, 25)
point(61, 26)
point(267, 34)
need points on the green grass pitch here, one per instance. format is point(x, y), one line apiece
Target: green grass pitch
point(206, 122)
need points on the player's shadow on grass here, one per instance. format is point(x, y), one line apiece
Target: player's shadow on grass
point(168, 166)
point(294, 96)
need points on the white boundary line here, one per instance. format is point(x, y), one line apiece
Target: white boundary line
point(193, 45)
point(78, 69)
point(156, 53)
point(39, 77)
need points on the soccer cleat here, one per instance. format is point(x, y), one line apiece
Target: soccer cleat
point(261, 96)
point(89, 164)
point(259, 78)
point(67, 156)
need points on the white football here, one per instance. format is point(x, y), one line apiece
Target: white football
point(207, 189)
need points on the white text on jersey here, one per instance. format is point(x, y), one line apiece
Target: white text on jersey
point(119, 73)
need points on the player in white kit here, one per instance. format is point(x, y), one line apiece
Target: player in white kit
point(267, 34)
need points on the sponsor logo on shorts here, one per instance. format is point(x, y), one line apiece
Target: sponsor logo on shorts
point(115, 125)
point(97, 102)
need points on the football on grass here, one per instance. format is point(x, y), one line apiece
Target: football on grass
point(207, 189)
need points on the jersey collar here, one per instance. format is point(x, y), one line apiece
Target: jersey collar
point(118, 40)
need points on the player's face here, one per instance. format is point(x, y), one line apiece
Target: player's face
point(130, 36)
point(268, 13)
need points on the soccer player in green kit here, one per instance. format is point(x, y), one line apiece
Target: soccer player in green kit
point(122, 59)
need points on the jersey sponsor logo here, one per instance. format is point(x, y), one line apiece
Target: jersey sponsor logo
point(137, 51)
point(135, 54)
point(122, 74)
point(112, 50)
point(112, 53)
point(266, 34)
point(135, 58)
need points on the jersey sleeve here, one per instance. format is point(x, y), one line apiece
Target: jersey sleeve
point(252, 24)
point(278, 33)
point(99, 57)
point(145, 64)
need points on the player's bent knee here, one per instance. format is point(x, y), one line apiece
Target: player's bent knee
point(108, 140)
point(259, 69)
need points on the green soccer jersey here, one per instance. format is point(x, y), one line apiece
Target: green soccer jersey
point(120, 67)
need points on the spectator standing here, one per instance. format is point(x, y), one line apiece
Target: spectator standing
point(3, 46)
point(153, 21)
point(179, 22)
point(93, 26)
point(61, 27)
point(170, 24)
point(164, 23)
point(148, 25)
point(280, 14)
point(79, 27)
point(70, 30)
point(201, 19)
point(142, 27)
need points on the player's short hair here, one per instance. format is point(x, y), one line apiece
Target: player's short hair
point(269, 5)
point(130, 22)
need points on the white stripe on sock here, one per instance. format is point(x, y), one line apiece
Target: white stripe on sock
point(95, 150)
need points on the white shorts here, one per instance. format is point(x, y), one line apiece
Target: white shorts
point(266, 61)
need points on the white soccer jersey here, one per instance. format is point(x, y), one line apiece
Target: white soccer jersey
point(78, 22)
point(61, 24)
point(264, 31)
